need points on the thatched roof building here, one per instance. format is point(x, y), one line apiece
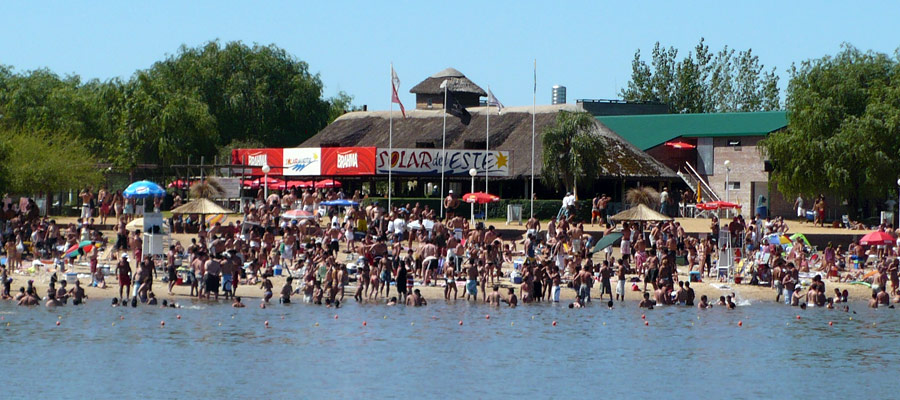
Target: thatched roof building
point(429, 94)
point(510, 131)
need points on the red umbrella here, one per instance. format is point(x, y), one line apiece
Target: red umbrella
point(301, 184)
point(272, 181)
point(298, 214)
point(877, 238)
point(250, 184)
point(178, 183)
point(327, 183)
point(480, 198)
point(717, 205)
point(680, 145)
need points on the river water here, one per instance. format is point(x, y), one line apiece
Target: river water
point(217, 351)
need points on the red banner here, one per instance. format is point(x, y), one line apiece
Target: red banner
point(338, 161)
point(257, 158)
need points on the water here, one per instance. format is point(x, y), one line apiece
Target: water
point(217, 351)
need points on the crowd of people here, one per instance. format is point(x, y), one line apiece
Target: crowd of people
point(376, 253)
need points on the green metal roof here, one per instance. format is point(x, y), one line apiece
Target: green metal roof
point(648, 131)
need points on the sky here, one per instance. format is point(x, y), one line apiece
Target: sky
point(586, 46)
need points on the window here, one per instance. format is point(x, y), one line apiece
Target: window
point(429, 103)
point(734, 186)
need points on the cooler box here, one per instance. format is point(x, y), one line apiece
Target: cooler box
point(810, 216)
point(276, 270)
point(694, 276)
point(517, 264)
point(71, 277)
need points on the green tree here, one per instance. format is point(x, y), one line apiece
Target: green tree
point(843, 134)
point(40, 163)
point(571, 149)
point(701, 82)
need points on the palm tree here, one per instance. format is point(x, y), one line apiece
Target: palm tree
point(571, 150)
point(645, 195)
point(209, 188)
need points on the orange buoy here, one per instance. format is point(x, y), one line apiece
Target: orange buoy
point(460, 322)
point(162, 323)
point(488, 316)
point(798, 317)
point(335, 316)
point(364, 323)
point(646, 323)
point(740, 323)
point(643, 316)
point(830, 323)
point(57, 323)
point(554, 323)
point(178, 316)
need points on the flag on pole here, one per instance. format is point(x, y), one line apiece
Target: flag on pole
point(395, 84)
point(494, 102)
point(453, 107)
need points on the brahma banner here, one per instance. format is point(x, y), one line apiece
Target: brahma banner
point(306, 161)
point(342, 161)
point(428, 162)
point(258, 158)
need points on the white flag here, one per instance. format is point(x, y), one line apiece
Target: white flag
point(494, 102)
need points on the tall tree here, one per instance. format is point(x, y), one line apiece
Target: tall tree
point(703, 81)
point(843, 134)
point(571, 150)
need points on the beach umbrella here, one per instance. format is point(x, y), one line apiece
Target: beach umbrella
point(298, 214)
point(640, 212)
point(260, 182)
point(215, 218)
point(79, 249)
point(250, 184)
point(801, 237)
point(143, 190)
point(201, 206)
point(480, 198)
point(606, 241)
point(680, 145)
point(877, 238)
point(327, 183)
point(303, 184)
point(339, 203)
point(778, 239)
point(717, 205)
point(180, 184)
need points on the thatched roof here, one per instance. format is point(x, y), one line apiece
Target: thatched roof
point(457, 83)
point(510, 131)
point(639, 212)
point(201, 206)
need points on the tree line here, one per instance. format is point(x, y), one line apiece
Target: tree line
point(201, 101)
point(703, 81)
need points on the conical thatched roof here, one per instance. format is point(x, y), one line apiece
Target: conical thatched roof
point(201, 206)
point(457, 81)
point(639, 212)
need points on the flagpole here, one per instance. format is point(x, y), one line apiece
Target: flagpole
point(390, 141)
point(443, 147)
point(533, 112)
point(487, 148)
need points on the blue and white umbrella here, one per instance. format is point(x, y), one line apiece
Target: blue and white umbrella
point(339, 203)
point(143, 190)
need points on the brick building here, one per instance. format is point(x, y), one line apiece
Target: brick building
point(699, 145)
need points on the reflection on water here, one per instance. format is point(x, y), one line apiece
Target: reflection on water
point(103, 352)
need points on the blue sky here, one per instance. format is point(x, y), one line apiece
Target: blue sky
point(584, 45)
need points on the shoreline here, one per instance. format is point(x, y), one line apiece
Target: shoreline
point(753, 294)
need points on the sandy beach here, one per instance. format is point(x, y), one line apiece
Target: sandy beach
point(252, 294)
